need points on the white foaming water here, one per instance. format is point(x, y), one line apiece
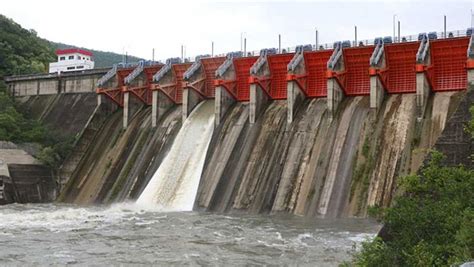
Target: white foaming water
point(128, 234)
point(174, 185)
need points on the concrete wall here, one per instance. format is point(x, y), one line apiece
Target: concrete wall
point(455, 142)
point(49, 84)
point(79, 84)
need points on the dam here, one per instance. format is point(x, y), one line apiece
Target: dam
point(312, 131)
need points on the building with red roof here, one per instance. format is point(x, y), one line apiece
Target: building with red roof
point(72, 59)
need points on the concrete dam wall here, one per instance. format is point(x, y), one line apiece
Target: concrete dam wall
point(315, 165)
point(311, 133)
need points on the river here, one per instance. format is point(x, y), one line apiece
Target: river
point(128, 234)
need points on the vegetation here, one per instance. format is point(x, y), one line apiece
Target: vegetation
point(21, 51)
point(18, 127)
point(470, 125)
point(432, 224)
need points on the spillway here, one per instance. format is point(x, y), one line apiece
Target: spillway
point(174, 185)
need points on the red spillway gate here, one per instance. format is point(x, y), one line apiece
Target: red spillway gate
point(356, 79)
point(275, 85)
point(240, 87)
point(174, 89)
point(448, 64)
point(205, 85)
point(143, 92)
point(116, 94)
point(314, 81)
point(399, 75)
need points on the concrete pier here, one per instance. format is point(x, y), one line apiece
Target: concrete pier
point(470, 63)
point(224, 100)
point(295, 94)
point(258, 98)
point(126, 99)
point(377, 92)
point(161, 103)
point(295, 98)
point(423, 88)
point(335, 93)
point(258, 102)
point(191, 99)
point(194, 78)
point(377, 63)
point(167, 87)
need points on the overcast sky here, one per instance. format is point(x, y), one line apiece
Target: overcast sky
point(137, 26)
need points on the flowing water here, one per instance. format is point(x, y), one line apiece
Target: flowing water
point(130, 234)
point(174, 185)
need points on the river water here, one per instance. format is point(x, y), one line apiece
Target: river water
point(127, 234)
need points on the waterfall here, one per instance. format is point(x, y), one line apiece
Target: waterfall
point(174, 185)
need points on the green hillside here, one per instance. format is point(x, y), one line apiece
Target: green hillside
point(102, 59)
point(21, 50)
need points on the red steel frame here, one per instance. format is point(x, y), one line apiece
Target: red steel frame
point(239, 88)
point(314, 81)
point(205, 85)
point(116, 94)
point(355, 79)
point(174, 89)
point(275, 85)
point(399, 74)
point(448, 64)
point(143, 92)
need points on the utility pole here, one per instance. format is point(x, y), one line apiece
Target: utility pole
point(472, 19)
point(394, 16)
point(355, 35)
point(182, 53)
point(399, 32)
point(245, 47)
point(316, 44)
point(279, 43)
point(153, 55)
point(212, 51)
point(445, 26)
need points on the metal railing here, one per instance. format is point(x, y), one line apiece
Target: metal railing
point(366, 42)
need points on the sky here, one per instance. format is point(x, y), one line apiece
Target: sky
point(139, 26)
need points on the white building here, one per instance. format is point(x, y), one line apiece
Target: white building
point(73, 59)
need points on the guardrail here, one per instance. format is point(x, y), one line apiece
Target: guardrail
point(364, 42)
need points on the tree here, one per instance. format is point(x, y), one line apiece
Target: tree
point(431, 224)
